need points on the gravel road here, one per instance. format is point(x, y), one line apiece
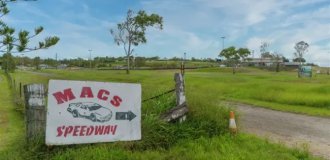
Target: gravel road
point(288, 128)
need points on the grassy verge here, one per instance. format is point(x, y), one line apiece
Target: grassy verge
point(321, 112)
point(11, 122)
point(223, 147)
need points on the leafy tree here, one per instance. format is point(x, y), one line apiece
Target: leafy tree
point(234, 56)
point(36, 62)
point(278, 58)
point(263, 48)
point(285, 59)
point(131, 32)
point(8, 62)
point(266, 55)
point(140, 61)
point(300, 60)
point(301, 48)
point(12, 43)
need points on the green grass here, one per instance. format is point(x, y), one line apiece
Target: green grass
point(223, 147)
point(11, 122)
point(204, 135)
point(279, 91)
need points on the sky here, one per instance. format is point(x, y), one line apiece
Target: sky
point(194, 27)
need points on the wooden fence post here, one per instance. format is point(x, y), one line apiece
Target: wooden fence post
point(14, 85)
point(179, 89)
point(179, 112)
point(35, 110)
point(20, 89)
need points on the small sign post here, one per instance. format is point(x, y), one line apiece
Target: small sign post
point(92, 112)
point(305, 71)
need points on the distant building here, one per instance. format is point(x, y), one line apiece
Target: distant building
point(291, 64)
point(258, 62)
point(43, 66)
point(62, 66)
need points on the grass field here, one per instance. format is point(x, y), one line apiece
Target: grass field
point(204, 135)
point(280, 91)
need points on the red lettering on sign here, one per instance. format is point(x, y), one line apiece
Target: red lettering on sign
point(65, 96)
point(82, 131)
point(68, 130)
point(65, 131)
point(76, 130)
point(101, 94)
point(59, 131)
point(116, 101)
point(99, 130)
point(90, 130)
point(86, 92)
point(113, 129)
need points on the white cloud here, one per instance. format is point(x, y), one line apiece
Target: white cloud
point(195, 27)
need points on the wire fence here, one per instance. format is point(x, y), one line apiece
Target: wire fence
point(160, 95)
point(17, 91)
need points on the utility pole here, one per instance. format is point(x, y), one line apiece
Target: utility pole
point(90, 58)
point(223, 42)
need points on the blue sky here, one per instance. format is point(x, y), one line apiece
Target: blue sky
point(191, 26)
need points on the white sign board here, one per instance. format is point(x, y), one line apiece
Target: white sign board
point(91, 112)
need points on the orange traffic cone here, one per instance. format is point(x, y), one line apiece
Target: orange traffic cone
point(232, 123)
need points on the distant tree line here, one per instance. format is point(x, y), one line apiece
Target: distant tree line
point(96, 62)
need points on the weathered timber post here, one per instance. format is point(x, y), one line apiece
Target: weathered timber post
point(179, 112)
point(14, 85)
point(20, 89)
point(35, 110)
point(179, 89)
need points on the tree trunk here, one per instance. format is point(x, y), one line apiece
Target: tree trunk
point(127, 69)
point(278, 67)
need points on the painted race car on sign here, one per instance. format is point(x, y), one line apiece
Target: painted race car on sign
point(90, 110)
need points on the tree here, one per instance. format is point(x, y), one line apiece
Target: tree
point(285, 59)
point(131, 32)
point(301, 48)
point(234, 56)
point(300, 60)
point(266, 55)
point(8, 62)
point(11, 43)
point(278, 58)
point(36, 62)
point(263, 49)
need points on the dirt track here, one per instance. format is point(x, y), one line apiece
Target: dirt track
point(288, 128)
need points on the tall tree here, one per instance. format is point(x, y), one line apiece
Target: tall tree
point(301, 48)
point(131, 32)
point(234, 56)
point(263, 49)
point(12, 43)
point(36, 62)
point(8, 62)
point(278, 59)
